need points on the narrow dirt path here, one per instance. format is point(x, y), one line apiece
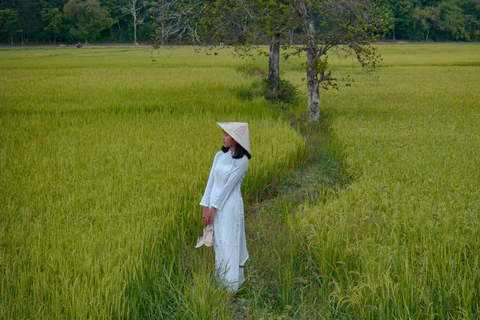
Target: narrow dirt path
point(281, 279)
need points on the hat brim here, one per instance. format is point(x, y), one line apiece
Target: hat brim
point(239, 132)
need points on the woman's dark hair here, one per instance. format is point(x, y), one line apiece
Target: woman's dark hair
point(239, 152)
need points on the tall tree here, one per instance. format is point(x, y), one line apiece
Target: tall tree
point(471, 8)
point(54, 22)
point(89, 18)
point(10, 23)
point(245, 23)
point(328, 25)
point(277, 22)
point(331, 25)
point(313, 60)
point(121, 18)
point(177, 19)
point(452, 22)
point(137, 8)
point(401, 18)
point(28, 14)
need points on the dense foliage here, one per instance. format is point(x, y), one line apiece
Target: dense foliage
point(66, 21)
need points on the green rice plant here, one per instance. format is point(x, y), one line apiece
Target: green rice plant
point(104, 155)
point(402, 239)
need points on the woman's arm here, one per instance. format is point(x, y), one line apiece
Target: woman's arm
point(206, 196)
point(240, 167)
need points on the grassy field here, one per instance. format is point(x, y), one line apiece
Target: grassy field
point(402, 239)
point(104, 155)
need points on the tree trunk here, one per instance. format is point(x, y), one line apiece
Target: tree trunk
point(393, 34)
point(163, 31)
point(312, 86)
point(120, 31)
point(135, 34)
point(274, 66)
point(312, 64)
point(86, 42)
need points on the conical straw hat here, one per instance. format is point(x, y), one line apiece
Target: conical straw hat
point(239, 132)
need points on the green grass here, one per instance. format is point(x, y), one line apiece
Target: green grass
point(402, 239)
point(104, 155)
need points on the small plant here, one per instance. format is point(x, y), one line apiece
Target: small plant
point(287, 93)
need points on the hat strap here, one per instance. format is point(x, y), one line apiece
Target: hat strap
point(232, 145)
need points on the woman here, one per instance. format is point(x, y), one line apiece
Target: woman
point(223, 204)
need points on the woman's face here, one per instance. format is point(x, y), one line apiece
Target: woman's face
point(227, 140)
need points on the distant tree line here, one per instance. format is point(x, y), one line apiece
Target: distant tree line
point(445, 20)
point(170, 21)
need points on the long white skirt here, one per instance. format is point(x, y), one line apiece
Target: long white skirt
point(230, 244)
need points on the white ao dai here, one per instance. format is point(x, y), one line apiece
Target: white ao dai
point(223, 192)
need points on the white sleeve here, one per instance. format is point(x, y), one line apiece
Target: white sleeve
point(206, 196)
point(240, 167)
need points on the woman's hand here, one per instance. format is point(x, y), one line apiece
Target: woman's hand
point(208, 215)
point(204, 215)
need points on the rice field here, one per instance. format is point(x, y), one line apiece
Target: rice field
point(104, 154)
point(402, 239)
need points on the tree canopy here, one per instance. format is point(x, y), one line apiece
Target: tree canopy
point(88, 18)
point(52, 21)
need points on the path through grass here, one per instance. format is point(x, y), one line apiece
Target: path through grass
point(104, 155)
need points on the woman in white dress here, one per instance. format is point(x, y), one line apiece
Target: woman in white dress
point(223, 204)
